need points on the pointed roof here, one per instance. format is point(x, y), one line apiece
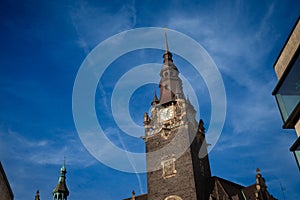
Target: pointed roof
point(249, 191)
point(170, 84)
point(155, 99)
point(237, 191)
point(6, 182)
point(230, 188)
point(61, 186)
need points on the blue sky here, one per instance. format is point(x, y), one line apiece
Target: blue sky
point(43, 44)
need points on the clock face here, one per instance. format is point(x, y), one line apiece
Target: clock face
point(166, 114)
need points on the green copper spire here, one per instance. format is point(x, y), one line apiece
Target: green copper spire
point(61, 191)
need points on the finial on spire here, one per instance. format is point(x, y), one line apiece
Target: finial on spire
point(257, 170)
point(37, 195)
point(133, 195)
point(166, 39)
point(167, 55)
point(63, 168)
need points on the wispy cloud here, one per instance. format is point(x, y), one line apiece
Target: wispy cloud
point(131, 160)
point(94, 24)
point(45, 151)
point(228, 38)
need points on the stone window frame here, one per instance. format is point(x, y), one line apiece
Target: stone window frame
point(168, 171)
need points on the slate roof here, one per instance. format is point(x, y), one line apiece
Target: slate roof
point(233, 190)
point(61, 187)
point(230, 187)
point(249, 192)
point(2, 173)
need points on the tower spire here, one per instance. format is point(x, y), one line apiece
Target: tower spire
point(167, 55)
point(166, 39)
point(170, 84)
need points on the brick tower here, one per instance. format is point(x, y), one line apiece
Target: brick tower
point(177, 162)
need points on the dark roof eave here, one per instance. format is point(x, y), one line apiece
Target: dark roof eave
point(291, 32)
point(6, 180)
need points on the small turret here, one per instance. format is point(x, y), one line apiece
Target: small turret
point(61, 191)
point(37, 195)
point(155, 100)
point(261, 192)
point(133, 195)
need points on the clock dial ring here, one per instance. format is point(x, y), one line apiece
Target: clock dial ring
point(166, 114)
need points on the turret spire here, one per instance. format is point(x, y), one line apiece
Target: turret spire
point(133, 195)
point(261, 191)
point(155, 99)
point(37, 195)
point(61, 191)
